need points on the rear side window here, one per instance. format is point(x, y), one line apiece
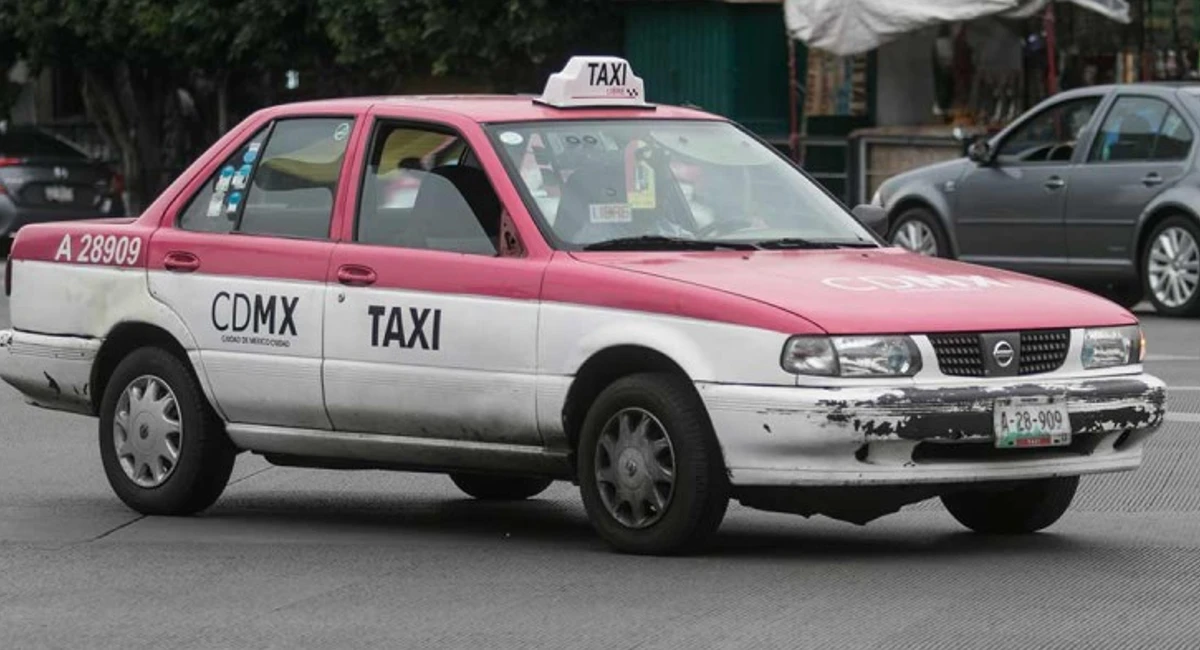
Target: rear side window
point(281, 182)
point(1131, 131)
point(31, 143)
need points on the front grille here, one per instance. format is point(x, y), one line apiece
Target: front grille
point(958, 355)
point(1043, 350)
point(961, 355)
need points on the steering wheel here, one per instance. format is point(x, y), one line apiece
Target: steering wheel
point(1068, 146)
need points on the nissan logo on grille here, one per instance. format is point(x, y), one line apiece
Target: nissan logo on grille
point(1003, 354)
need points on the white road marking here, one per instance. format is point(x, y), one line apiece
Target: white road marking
point(1193, 418)
point(1183, 388)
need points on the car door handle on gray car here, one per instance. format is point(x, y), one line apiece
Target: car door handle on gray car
point(1152, 179)
point(1055, 183)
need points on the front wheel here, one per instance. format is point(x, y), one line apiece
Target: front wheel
point(919, 230)
point(650, 471)
point(164, 450)
point(1027, 507)
point(500, 488)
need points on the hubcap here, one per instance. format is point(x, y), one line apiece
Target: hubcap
point(916, 237)
point(1174, 267)
point(635, 468)
point(147, 431)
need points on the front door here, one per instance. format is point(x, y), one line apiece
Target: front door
point(1141, 150)
point(1009, 212)
point(244, 265)
point(432, 324)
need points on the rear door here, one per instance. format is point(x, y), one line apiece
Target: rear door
point(1141, 149)
point(1009, 213)
point(244, 264)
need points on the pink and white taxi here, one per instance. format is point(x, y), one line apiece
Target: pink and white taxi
point(644, 300)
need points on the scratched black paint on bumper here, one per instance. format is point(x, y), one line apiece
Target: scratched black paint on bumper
point(1136, 403)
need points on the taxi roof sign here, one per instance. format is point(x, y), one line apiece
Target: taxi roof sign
point(594, 81)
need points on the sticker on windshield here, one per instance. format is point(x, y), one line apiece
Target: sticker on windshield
point(215, 204)
point(511, 138)
point(235, 199)
point(251, 153)
point(341, 131)
point(610, 213)
point(223, 179)
point(239, 179)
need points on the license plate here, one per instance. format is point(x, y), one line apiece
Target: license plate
point(1031, 422)
point(60, 194)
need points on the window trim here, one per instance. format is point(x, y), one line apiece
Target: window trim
point(1157, 132)
point(1088, 129)
point(434, 126)
point(179, 207)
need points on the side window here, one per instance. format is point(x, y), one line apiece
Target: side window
point(210, 210)
point(419, 191)
point(292, 189)
point(1050, 135)
point(281, 182)
point(1174, 138)
point(1129, 131)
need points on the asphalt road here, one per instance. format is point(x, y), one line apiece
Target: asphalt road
point(303, 558)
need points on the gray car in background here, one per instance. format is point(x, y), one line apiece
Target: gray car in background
point(44, 178)
point(1096, 187)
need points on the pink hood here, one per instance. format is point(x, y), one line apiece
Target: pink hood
point(879, 290)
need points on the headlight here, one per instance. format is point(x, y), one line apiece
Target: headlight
point(851, 356)
point(1105, 347)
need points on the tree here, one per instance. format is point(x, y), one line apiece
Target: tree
point(156, 73)
point(161, 77)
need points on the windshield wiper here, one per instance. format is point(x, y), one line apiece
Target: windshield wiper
point(656, 242)
point(798, 243)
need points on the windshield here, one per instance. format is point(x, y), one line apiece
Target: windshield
point(659, 183)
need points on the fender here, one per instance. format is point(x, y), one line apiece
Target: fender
point(1178, 199)
point(926, 188)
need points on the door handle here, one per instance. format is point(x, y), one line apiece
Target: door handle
point(356, 275)
point(181, 262)
point(1152, 179)
point(1055, 183)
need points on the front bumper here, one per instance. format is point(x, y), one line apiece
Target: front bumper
point(791, 436)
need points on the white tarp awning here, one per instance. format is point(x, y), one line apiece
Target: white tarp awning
point(846, 27)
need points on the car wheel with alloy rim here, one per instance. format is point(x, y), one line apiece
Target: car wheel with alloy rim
point(918, 230)
point(1171, 267)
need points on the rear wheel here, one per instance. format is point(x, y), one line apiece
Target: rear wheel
point(1171, 267)
point(918, 230)
point(500, 488)
point(163, 448)
point(1026, 507)
point(650, 471)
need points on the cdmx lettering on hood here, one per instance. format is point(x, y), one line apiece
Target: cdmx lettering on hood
point(913, 283)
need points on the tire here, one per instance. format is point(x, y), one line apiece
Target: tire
point(693, 505)
point(1027, 507)
point(1165, 303)
point(205, 455)
point(920, 218)
point(500, 488)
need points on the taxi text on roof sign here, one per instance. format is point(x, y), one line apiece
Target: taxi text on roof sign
point(594, 81)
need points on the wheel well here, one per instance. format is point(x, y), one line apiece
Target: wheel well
point(601, 370)
point(122, 340)
point(907, 204)
point(1148, 227)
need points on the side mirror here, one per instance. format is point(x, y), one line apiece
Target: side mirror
point(980, 152)
point(873, 217)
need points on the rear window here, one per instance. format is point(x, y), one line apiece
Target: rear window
point(27, 143)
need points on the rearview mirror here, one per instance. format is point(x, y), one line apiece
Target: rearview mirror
point(873, 217)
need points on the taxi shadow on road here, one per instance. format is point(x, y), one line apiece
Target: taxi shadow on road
point(561, 523)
